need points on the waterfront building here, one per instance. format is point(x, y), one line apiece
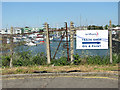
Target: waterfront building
point(5, 31)
point(17, 30)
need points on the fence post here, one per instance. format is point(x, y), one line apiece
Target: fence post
point(110, 41)
point(47, 43)
point(71, 40)
point(67, 41)
point(11, 47)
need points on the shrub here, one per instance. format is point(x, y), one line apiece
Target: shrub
point(22, 59)
point(98, 60)
point(106, 60)
point(40, 59)
point(90, 60)
point(5, 60)
point(60, 61)
point(77, 59)
point(26, 59)
point(116, 58)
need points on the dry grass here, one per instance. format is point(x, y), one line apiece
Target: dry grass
point(83, 68)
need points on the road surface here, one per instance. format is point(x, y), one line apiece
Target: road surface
point(60, 82)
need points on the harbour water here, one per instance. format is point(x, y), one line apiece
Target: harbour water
point(62, 49)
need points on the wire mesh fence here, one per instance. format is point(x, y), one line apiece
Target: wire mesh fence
point(35, 45)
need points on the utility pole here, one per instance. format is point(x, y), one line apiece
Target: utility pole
point(47, 43)
point(11, 47)
point(71, 40)
point(110, 41)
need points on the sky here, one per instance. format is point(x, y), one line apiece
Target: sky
point(119, 13)
point(35, 14)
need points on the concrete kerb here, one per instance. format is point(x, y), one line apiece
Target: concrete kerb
point(62, 74)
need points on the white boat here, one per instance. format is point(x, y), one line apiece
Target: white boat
point(51, 38)
point(59, 39)
point(30, 44)
point(39, 39)
point(24, 37)
point(27, 40)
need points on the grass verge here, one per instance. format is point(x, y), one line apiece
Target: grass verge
point(50, 68)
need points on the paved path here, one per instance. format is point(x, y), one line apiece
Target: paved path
point(60, 82)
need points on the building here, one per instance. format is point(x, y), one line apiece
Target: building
point(17, 30)
point(5, 31)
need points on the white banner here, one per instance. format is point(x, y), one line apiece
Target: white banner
point(92, 39)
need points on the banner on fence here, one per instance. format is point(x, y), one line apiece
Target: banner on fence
point(92, 39)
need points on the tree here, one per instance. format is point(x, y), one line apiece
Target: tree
point(118, 25)
point(89, 27)
point(106, 26)
point(100, 27)
point(113, 25)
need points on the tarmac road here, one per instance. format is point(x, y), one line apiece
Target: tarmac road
point(60, 82)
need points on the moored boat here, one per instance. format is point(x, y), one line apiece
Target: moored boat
point(30, 44)
point(59, 39)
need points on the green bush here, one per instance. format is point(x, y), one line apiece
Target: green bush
point(106, 60)
point(26, 59)
point(90, 60)
point(60, 61)
point(116, 58)
point(5, 60)
point(22, 59)
point(77, 59)
point(40, 59)
point(99, 60)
